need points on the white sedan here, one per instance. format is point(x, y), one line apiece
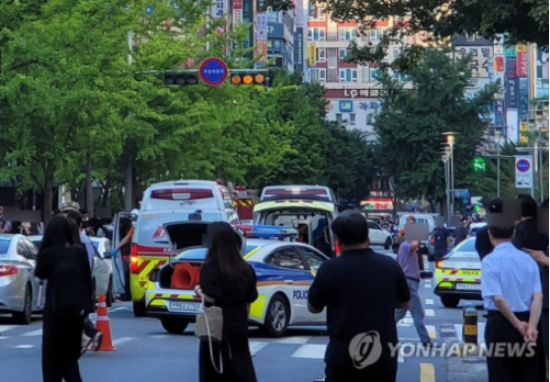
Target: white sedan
point(379, 235)
point(284, 270)
point(18, 286)
point(102, 274)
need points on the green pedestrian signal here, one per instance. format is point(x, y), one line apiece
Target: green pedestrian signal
point(480, 165)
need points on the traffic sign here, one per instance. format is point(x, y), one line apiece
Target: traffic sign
point(213, 71)
point(524, 172)
point(523, 165)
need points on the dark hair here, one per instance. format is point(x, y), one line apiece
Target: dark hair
point(57, 234)
point(75, 232)
point(226, 252)
point(528, 206)
point(495, 206)
point(76, 217)
point(544, 205)
point(351, 228)
point(501, 233)
point(83, 211)
point(56, 212)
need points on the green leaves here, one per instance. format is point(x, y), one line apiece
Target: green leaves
point(411, 124)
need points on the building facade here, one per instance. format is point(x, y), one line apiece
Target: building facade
point(353, 90)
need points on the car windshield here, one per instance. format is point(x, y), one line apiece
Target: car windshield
point(4, 245)
point(199, 253)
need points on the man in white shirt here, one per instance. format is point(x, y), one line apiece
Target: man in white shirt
point(512, 295)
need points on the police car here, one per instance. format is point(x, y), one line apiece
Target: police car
point(285, 270)
point(458, 275)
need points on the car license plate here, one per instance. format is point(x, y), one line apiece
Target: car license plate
point(469, 286)
point(184, 307)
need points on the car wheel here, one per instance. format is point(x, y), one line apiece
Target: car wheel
point(277, 317)
point(450, 301)
point(174, 326)
point(388, 243)
point(110, 298)
point(25, 317)
point(139, 308)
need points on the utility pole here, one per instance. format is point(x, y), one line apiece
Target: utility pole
point(498, 163)
point(128, 172)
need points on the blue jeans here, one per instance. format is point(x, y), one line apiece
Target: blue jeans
point(417, 312)
point(544, 323)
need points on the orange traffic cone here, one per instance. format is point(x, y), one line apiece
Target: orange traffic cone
point(103, 324)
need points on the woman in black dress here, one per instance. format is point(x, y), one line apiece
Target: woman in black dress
point(227, 281)
point(68, 301)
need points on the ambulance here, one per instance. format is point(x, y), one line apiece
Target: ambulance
point(164, 203)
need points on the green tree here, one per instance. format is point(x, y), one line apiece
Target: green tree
point(412, 121)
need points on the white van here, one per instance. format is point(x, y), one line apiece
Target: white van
point(177, 194)
point(319, 193)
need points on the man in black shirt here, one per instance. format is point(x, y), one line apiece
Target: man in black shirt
point(361, 290)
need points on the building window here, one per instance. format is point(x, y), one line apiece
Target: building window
point(316, 34)
point(348, 75)
point(318, 74)
point(339, 117)
point(343, 53)
point(317, 14)
point(396, 53)
point(400, 77)
point(374, 72)
point(351, 120)
point(347, 33)
point(375, 35)
point(332, 75)
point(321, 55)
point(364, 74)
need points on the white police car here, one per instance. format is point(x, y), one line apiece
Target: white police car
point(285, 270)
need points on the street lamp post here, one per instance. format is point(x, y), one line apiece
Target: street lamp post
point(497, 142)
point(450, 135)
point(445, 157)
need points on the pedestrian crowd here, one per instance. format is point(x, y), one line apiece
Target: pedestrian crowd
point(364, 293)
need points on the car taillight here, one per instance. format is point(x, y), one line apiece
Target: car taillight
point(134, 259)
point(8, 270)
point(182, 194)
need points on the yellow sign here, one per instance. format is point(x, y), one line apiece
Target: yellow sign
point(312, 54)
point(524, 139)
point(523, 126)
point(522, 48)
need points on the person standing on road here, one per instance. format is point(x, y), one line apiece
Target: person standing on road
point(227, 281)
point(462, 231)
point(360, 290)
point(407, 258)
point(512, 295)
point(91, 335)
point(67, 271)
point(5, 225)
point(441, 239)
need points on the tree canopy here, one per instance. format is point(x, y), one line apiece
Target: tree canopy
point(412, 121)
point(68, 93)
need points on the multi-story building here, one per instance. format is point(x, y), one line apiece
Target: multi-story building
point(280, 38)
point(353, 90)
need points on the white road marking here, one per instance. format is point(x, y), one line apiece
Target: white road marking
point(4, 329)
point(427, 286)
point(118, 309)
point(256, 346)
point(160, 336)
point(429, 301)
point(292, 340)
point(23, 347)
point(430, 313)
point(310, 351)
point(431, 331)
point(123, 340)
point(37, 332)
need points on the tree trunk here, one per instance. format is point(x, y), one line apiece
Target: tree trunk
point(48, 197)
point(88, 188)
point(128, 181)
point(105, 193)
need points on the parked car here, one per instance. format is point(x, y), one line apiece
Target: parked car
point(102, 273)
point(19, 289)
point(379, 235)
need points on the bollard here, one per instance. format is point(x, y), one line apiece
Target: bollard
point(469, 325)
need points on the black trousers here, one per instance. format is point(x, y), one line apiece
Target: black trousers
point(61, 342)
point(338, 374)
point(506, 363)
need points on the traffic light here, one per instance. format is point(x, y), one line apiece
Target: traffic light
point(261, 77)
point(181, 78)
point(479, 164)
